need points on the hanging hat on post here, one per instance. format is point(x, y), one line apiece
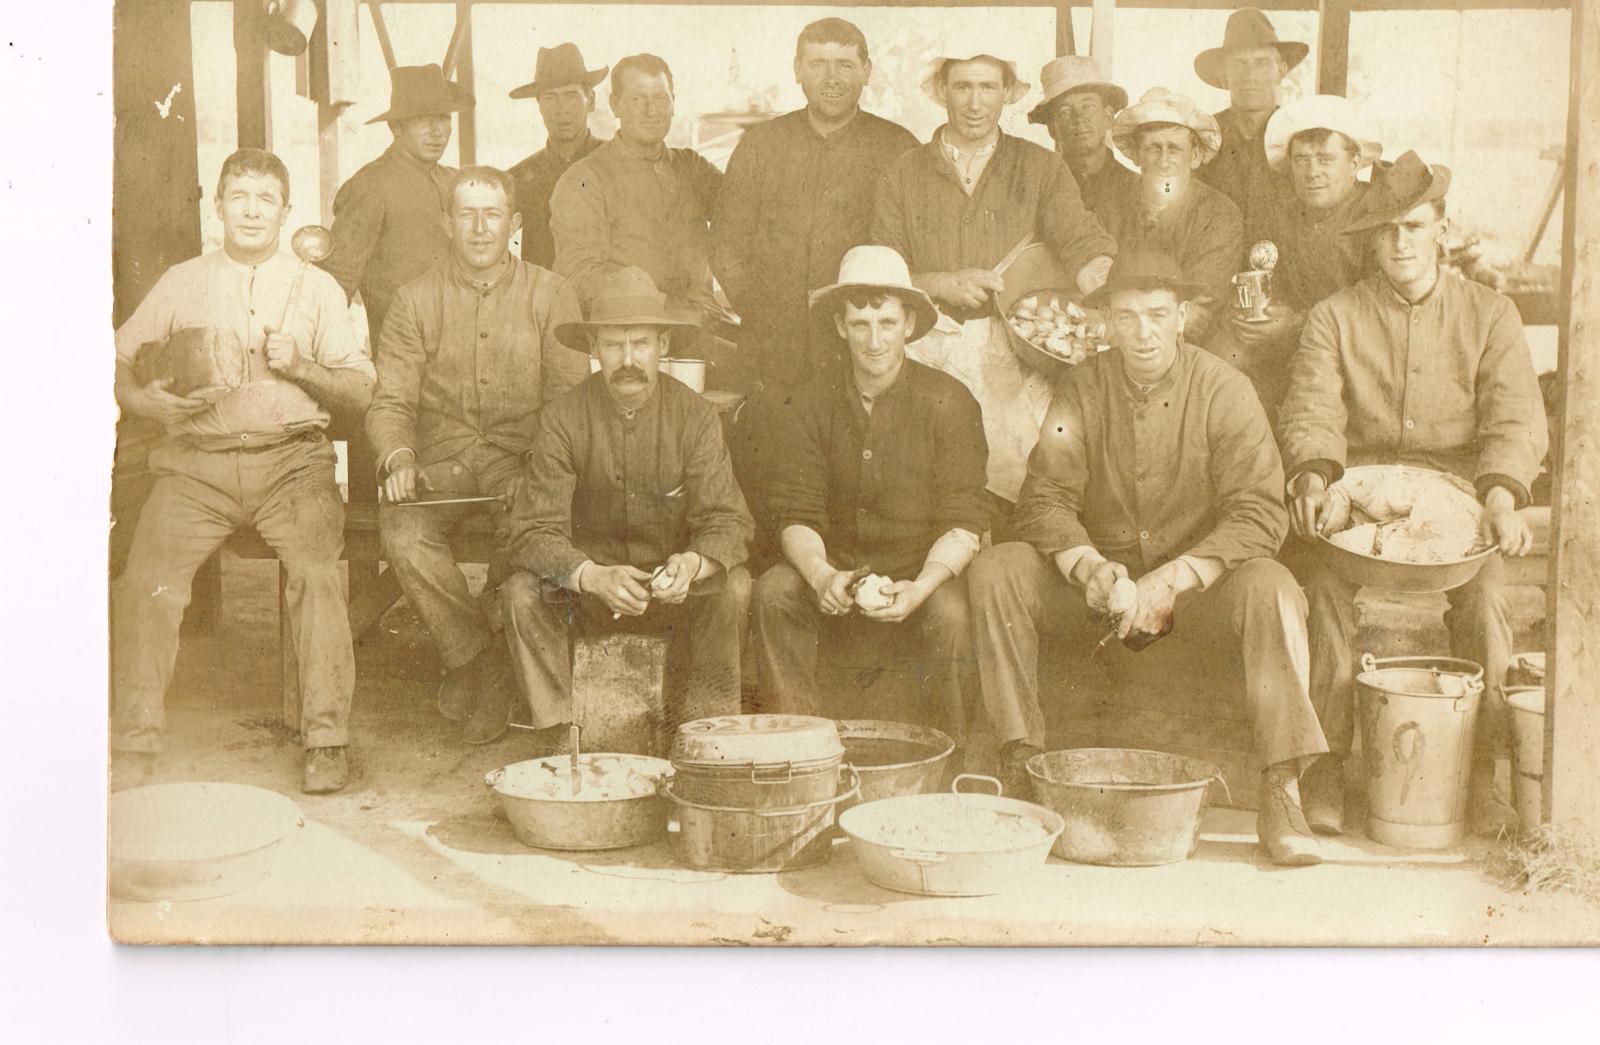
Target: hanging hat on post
point(933, 83)
point(1397, 189)
point(1246, 28)
point(422, 90)
point(1318, 112)
point(1070, 74)
point(629, 298)
point(1144, 270)
point(559, 66)
point(1160, 105)
point(871, 267)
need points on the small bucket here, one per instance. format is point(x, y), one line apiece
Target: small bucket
point(1418, 716)
point(1527, 752)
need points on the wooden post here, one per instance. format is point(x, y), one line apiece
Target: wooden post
point(1065, 44)
point(252, 85)
point(1572, 709)
point(466, 76)
point(1101, 32)
point(1333, 47)
point(380, 29)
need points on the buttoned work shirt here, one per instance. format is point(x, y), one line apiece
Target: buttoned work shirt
point(213, 290)
point(611, 486)
point(536, 179)
point(969, 167)
point(621, 205)
point(1187, 467)
point(1110, 179)
point(1446, 383)
point(1203, 232)
point(793, 202)
point(1240, 171)
point(883, 481)
point(1315, 260)
point(388, 229)
point(463, 362)
point(922, 211)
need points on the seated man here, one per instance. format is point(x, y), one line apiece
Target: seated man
point(1168, 209)
point(253, 455)
point(629, 476)
point(1154, 464)
point(1416, 366)
point(469, 355)
point(883, 470)
point(1078, 106)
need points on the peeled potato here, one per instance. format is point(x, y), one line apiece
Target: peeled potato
point(870, 595)
point(1124, 597)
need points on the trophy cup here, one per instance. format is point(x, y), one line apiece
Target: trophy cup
point(1254, 287)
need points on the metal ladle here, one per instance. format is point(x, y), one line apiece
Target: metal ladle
point(311, 244)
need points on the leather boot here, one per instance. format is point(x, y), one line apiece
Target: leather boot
point(491, 717)
point(458, 691)
point(1280, 823)
point(327, 769)
point(1322, 795)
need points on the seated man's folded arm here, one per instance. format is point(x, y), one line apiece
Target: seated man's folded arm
point(961, 503)
point(1247, 479)
point(338, 372)
point(1046, 513)
point(392, 417)
point(1513, 433)
point(538, 530)
point(720, 526)
point(1312, 419)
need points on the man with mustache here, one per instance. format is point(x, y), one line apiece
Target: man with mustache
point(634, 202)
point(564, 90)
point(1155, 465)
point(628, 517)
point(245, 448)
point(1249, 65)
point(388, 225)
point(953, 208)
point(468, 358)
point(1167, 210)
point(1078, 107)
point(1413, 365)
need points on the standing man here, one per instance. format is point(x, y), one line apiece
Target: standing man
point(252, 454)
point(1077, 110)
point(1155, 465)
point(629, 475)
point(953, 208)
point(389, 218)
point(883, 470)
point(633, 202)
point(798, 194)
point(1321, 143)
point(1413, 365)
point(564, 90)
point(468, 359)
point(1167, 210)
point(1249, 65)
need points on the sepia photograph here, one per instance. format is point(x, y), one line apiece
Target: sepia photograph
point(915, 474)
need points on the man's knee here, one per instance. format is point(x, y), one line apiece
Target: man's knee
point(521, 590)
point(1000, 569)
point(780, 588)
point(736, 590)
point(402, 532)
point(947, 613)
point(1270, 580)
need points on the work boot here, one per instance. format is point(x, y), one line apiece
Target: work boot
point(1281, 824)
point(492, 715)
point(1490, 813)
point(1013, 772)
point(458, 691)
point(1322, 795)
point(327, 769)
point(131, 769)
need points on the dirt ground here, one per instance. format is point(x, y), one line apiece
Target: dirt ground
point(411, 852)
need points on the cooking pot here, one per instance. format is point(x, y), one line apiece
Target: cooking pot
point(563, 820)
point(745, 840)
point(757, 761)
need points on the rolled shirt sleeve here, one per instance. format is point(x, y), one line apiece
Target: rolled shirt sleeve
point(1075, 235)
point(720, 524)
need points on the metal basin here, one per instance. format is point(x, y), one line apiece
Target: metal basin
point(1034, 270)
point(1124, 807)
point(194, 841)
point(558, 822)
point(896, 758)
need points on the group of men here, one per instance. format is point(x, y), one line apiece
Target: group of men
point(888, 429)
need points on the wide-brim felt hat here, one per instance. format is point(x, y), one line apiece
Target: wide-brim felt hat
point(872, 267)
point(933, 82)
point(629, 298)
point(422, 90)
point(560, 66)
point(1397, 189)
point(1320, 111)
point(1145, 270)
point(1070, 74)
point(1159, 105)
point(1246, 28)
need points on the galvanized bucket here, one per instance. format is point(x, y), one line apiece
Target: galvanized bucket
point(1418, 716)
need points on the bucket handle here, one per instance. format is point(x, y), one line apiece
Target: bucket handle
point(665, 788)
point(1369, 663)
point(955, 785)
point(771, 772)
point(1227, 792)
point(918, 856)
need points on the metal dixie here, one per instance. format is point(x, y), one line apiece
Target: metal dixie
point(1254, 286)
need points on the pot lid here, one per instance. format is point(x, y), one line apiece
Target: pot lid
point(761, 739)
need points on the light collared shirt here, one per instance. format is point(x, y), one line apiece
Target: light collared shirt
point(215, 291)
point(970, 165)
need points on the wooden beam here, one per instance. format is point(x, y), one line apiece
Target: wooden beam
point(466, 75)
point(1572, 716)
point(1333, 47)
point(380, 29)
point(1101, 33)
point(1065, 42)
point(252, 82)
point(452, 53)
